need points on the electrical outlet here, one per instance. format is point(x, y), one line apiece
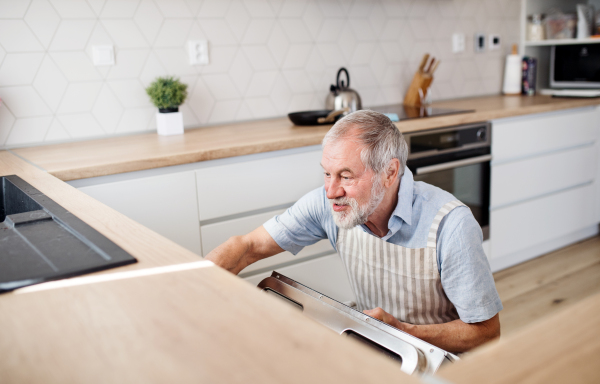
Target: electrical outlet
point(494, 42)
point(458, 42)
point(479, 44)
point(198, 51)
point(103, 55)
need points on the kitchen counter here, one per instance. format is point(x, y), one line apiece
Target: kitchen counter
point(78, 160)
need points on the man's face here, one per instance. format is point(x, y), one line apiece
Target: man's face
point(353, 192)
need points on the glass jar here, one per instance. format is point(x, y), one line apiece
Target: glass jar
point(535, 28)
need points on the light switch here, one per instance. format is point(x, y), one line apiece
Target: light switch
point(458, 42)
point(198, 52)
point(479, 43)
point(103, 55)
point(494, 42)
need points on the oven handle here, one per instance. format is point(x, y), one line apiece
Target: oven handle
point(453, 164)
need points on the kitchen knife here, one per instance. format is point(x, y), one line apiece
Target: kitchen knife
point(423, 63)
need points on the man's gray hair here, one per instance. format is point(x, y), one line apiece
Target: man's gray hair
point(381, 139)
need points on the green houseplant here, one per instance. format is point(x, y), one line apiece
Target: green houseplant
point(167, 94)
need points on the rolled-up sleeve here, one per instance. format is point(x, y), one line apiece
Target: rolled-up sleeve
point(465, 271)
point(301, 224)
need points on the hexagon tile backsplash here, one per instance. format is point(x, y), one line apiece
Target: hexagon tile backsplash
point(267, 58)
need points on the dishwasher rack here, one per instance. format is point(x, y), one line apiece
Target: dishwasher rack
point(414, 355)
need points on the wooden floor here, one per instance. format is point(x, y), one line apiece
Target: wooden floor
point(548, 284)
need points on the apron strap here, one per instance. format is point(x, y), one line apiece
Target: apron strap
point(446, 209)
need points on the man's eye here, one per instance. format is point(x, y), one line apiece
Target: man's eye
point(327, 174)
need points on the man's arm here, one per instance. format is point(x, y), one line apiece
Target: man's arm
point(240, 251)
point(455, 336)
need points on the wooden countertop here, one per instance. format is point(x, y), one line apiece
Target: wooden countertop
point(78, 160)
point(147, 323)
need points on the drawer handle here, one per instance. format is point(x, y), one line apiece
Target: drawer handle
point(453, 164)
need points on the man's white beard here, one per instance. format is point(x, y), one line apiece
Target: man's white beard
point(357, 215)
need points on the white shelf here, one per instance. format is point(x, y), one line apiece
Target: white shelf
point(562, 42)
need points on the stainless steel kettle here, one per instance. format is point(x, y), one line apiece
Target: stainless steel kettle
point(342, 96)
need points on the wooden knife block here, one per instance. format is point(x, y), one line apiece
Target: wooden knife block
point(420, 81)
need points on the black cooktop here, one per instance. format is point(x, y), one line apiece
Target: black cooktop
point(406, 112)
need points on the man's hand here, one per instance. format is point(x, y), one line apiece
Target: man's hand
point(455, 336)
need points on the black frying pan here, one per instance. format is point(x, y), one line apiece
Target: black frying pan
point(324, 116)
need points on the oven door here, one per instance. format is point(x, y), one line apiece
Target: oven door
point(466, 176)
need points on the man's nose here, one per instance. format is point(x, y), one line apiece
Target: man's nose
point(334, 190)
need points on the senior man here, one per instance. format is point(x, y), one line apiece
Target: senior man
point(412, 251)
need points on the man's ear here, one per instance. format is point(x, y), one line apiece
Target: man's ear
point(392, 172)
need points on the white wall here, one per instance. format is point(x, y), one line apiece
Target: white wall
point(268, 58)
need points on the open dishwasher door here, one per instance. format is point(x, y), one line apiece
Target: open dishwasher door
point(414, 355)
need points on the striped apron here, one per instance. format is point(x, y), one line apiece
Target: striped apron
point(404, 282)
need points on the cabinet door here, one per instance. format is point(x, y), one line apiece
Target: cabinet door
point(326, 275)
point(537, 134)
point(215, 234)
point(522, 226)
point(243, 187)
point(520, 180)
point(166, 204)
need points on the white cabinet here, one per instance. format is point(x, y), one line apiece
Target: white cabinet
point(167, 204)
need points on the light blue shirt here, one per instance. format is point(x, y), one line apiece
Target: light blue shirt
point(464, 269)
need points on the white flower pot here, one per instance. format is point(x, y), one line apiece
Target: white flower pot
point(170, 123)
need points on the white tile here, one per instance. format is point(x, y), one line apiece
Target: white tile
point(237, 19)
point(297, 80)
point(175, 61)
point(107, 109)
point(330, 31)
point(151, 70)
point(119, 9)
point(217, 31)
point(392, 52)
point(221, 58)
point(6, 122)
point(99, 36)
point(19, 68)
point(419, 9)
point(128, 63)
point(130, 93)
point(81, 126)
point(15, 36)
point(194, 7)
point(278, 44)
point(50, 83)
point(258, 31)
point(136, 120)
point(301, 102)
point(196, 33)
point(56, 132)
point(189, 118)
point(200, 101)
point(347, 42)
point(276, 5)
point(260, 58)
point(281, 95)
point(297, 55)
point(148, 19)
point(332, 55)
point(79, 97)
point(76, 66)
point(214, 8)
point(394, 76)
point(259, 8)
point(313, 20)
point(221, 87)
point(395, 8)
point(174, 9)
point(11, 9)
point(24, 101)
point(96, 5)
point(125, 33)
point(240, 72)
point(261, 83)
point(295, 30)
point(362, 54)
point(377, 19)
point(224, 111)
point(420, 29)
point(29, 131)
point(292, 8)
point(378, 64)
point(2, 55)
point(72, 35)
point(362, 77)
point(43, 20)
point(407, 41)
point(360, 10)
point(261, 108)
point(362, 30)
point(244, 113)
point(73, 9)
point(331, 8)
point(392, 29)
point(173, 33)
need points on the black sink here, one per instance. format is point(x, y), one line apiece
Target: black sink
point(42, 241)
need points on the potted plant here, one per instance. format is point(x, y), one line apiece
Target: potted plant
point(167, 94)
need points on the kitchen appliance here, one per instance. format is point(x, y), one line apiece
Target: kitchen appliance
point(319, 117)
point(457, 160)
point(575, 66)
point(41, 241)
point(414, 355)
point(342, 96)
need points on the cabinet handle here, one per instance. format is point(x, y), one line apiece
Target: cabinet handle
point(453, 164)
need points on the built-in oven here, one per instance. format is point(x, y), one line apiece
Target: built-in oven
point(456, 159)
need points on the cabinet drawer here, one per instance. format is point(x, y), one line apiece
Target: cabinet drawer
point(166, 204)
point(326, 275)
point(214, 235)
point(533, 177)
point(525, 225)
point(235, 188)
point(526, 136)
